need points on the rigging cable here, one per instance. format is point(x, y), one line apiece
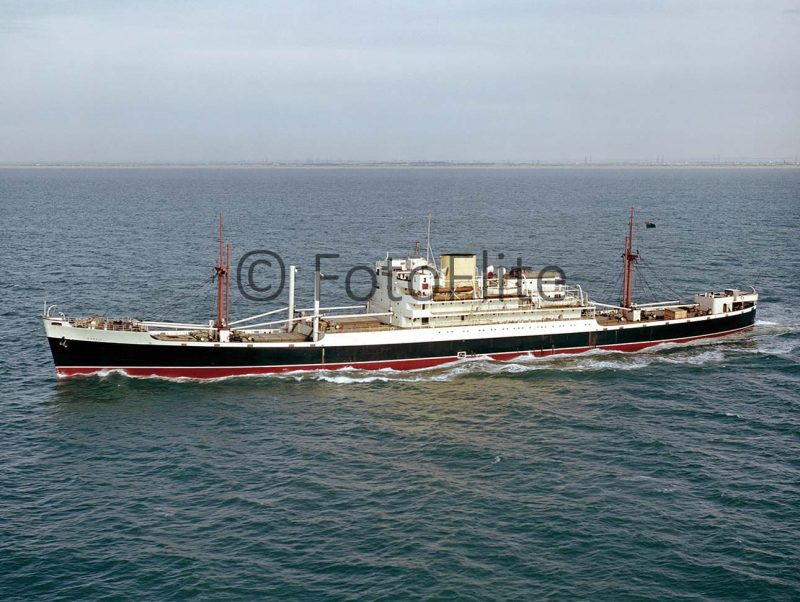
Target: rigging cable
point(180, 297)
point(643, 279)
point(613, 288)
point(660, 282)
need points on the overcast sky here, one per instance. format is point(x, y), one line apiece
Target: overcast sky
point(390, 80)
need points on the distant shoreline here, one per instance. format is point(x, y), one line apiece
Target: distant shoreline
point(407, 165)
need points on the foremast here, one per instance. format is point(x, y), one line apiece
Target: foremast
point(222, 272)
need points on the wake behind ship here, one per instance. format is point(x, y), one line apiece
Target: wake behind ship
point(421, 314)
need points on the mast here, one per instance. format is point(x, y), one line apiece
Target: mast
point(222, 273)
point(628, 259)
point(228, 286)
point(290, 324)
point(315, 328)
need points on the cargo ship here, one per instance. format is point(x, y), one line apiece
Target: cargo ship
point(421, 313)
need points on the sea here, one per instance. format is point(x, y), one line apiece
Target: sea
point(669, 474)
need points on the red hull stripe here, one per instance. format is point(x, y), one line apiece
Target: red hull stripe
point(401, 364)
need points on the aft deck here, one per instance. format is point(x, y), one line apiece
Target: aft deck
point(616, 318)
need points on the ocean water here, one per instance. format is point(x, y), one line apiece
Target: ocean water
point(668, 474)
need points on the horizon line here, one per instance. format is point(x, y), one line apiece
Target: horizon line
point(415, 163)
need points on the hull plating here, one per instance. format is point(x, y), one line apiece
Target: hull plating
point(83, 357)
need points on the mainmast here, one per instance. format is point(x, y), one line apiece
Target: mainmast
point(222, 272)
point(628, 257)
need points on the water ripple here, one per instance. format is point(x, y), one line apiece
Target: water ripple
point(668, 474)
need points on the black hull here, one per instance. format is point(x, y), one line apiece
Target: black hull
point(83, 357)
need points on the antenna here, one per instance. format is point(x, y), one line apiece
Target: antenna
point(428, 249)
